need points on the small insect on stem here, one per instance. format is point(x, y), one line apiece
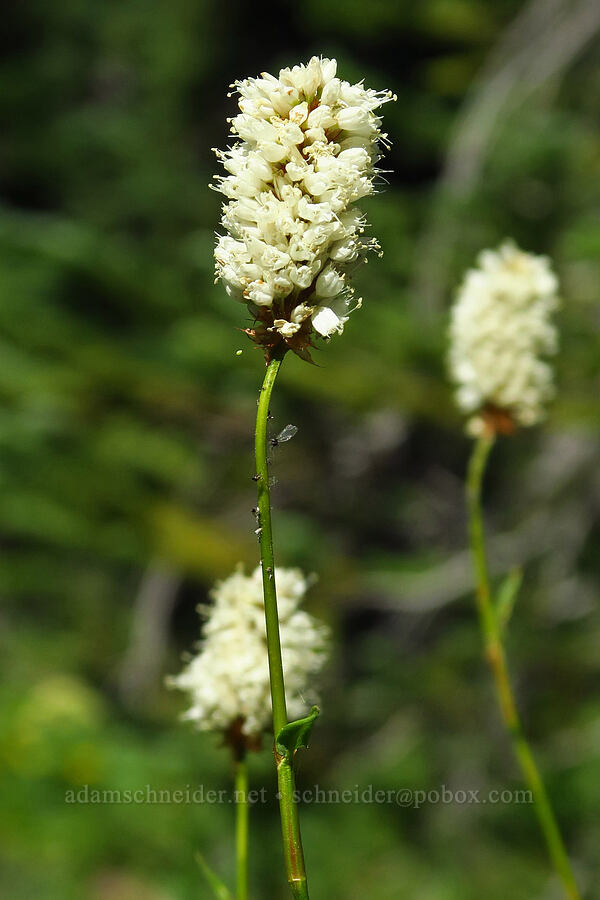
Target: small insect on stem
point(256, 477)
point(285, 435)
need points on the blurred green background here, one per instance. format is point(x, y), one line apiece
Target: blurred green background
point(126, 439)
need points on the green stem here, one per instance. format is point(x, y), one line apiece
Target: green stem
point(292, 843)
point(241, 827)
point(496, 657)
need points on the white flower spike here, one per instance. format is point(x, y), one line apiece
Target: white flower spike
point(500, 332)
point(308, 144)
point(228, 680)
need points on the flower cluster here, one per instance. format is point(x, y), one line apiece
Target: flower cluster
point(228, 680)
point(500, 331)
point(309, 144)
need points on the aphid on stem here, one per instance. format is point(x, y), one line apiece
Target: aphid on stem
point(285, 435)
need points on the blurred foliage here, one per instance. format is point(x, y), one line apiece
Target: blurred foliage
point(125, 457)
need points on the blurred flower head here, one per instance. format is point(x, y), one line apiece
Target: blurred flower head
point(307, 151)
point(228, 680)
point(500, 333)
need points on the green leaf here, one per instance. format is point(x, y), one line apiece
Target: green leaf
point(219, 889)
point(507, 596)
point(296, 734)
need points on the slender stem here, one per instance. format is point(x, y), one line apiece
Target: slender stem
point(496, 657)
point(290, 826)
point(266, 548)
point(242, 809)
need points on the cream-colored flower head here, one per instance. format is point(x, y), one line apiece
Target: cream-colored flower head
point(307, 149)
point(228, 680)
point(500, 333)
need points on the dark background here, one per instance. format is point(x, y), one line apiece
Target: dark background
point(126, 448)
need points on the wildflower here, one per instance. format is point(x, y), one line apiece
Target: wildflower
point(500, 332)
point(228, 680)
point(307, 149)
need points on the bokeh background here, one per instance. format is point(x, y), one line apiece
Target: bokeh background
point(126, 439)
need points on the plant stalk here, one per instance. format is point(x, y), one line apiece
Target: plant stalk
point(290, 826)
point(496, 657)
point(242, 810)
